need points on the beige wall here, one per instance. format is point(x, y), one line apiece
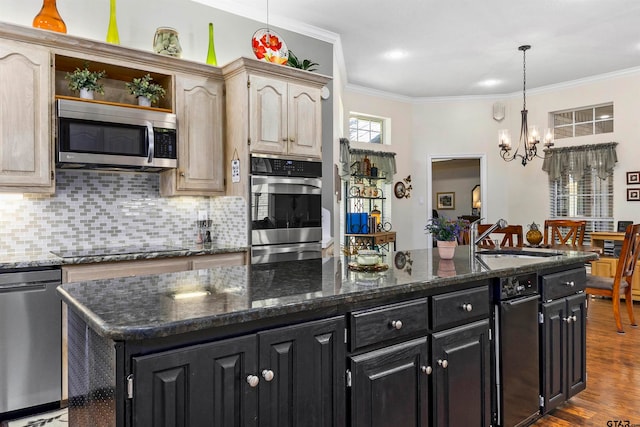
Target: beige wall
point(465, 126)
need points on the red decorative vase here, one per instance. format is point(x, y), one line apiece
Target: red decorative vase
point(49, 18)
point(446, 250)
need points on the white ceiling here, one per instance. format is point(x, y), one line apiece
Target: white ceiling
point(451, 47)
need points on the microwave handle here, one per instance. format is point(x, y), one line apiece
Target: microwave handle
point(150, 140)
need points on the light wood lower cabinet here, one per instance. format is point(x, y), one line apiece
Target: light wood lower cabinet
point(606, 267)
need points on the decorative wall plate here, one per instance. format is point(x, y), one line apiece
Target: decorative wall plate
point(400, 190)
point(268, 46)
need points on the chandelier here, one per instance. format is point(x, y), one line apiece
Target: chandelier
point(529, 137)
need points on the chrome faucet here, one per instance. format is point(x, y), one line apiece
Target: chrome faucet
point(474, 239)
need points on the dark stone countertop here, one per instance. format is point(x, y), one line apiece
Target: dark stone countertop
point(144, 307)
point(9, 261)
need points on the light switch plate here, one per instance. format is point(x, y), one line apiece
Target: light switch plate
point(202, 215)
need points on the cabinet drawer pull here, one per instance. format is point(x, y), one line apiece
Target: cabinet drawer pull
point(292, 140)
point(570, 319)
point(253, 380)
point(267, 374)
point(182, 174)
point(396, 324)
point(467, 307)
point(284, 139)
point(571, 283)
point(426, 370)
point(443, 363)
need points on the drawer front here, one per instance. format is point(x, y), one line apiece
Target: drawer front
point(460, 306)
point(391, 238)
point(558, 285)
point(388, 322)
point(381, 239)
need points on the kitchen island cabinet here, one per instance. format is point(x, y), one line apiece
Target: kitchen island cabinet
point(136, 335)
point(289, 376)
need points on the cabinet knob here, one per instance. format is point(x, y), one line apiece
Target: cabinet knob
point(284, 139)
point(567, 319)
point(571, 283)
point(574, 318)
point(182, 174)
point(443, 363)
point(467, 307)
point(267, 374)
point(396, 324)
point(292, 140)
point(253, 380)
point(426, 370)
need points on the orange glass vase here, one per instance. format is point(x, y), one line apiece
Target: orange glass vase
point(49, 18)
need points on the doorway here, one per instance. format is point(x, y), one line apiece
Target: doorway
point(456, 186)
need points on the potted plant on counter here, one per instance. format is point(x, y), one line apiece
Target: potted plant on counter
point(146, 91)
point(85, 81)
point(446, 232)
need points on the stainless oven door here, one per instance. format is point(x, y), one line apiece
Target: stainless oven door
point(287, 252)
point(285, 210)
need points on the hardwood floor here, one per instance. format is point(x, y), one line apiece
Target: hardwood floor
point(613, 374)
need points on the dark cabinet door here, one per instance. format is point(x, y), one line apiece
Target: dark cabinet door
point(576, 348)
point(302, 375)
point(201, 385)
point(564, 357)
point(461, 376)
point(554, 353)
point(390, 386)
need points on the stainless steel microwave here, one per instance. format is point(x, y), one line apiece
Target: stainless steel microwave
point(101, 136)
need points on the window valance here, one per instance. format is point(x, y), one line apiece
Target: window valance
point(577, 159)
point(384, 161)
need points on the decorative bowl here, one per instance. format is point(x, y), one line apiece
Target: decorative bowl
point(368, 257)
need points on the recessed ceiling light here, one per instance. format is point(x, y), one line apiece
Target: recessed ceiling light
point(490, 83)
point(395, 54)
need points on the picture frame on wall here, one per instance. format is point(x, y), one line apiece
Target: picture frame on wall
point(633, 177)
point(633, 194)
point(446, 200)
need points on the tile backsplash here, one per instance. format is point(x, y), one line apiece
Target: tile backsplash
point(107, 209)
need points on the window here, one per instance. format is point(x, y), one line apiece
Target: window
point(588, 198)
point(583, 121)
point(366, 129)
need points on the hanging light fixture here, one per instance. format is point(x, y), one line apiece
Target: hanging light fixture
point(529, 137)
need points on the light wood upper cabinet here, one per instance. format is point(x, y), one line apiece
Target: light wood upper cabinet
point(26, 163)
point(272, 110)
point(285, 117)
point(200, 106)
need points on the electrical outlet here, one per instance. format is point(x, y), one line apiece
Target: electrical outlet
point(202, 215)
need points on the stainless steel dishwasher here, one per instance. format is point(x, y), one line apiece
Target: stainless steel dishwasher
point(30, 338)
point(517, 366)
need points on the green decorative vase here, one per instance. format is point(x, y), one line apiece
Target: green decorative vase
point(112, 32)
point(211, 52)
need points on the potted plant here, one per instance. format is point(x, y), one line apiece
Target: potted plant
point(146, 91)
point(446, 232)
point(85, 81)
point(306, 64)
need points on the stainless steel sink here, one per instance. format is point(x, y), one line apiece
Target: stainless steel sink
point(516, 253)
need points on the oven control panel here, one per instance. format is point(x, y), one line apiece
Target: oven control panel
point(517, 286)
point(285, 167)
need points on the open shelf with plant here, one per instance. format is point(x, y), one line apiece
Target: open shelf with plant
point(114, 82)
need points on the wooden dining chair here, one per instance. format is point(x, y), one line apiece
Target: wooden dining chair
point(511, 236)
point(620, 284)
point(564, 232)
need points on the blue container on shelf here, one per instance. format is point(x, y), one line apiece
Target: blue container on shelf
point(357, 223)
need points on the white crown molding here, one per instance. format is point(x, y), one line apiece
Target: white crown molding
point(334, 38)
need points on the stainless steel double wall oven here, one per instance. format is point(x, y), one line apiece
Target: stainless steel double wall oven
point(286, 209)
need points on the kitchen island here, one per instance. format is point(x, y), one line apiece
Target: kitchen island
point(294, 343)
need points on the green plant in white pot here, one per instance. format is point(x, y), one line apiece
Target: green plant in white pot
point(146, 91)
point(85, 81)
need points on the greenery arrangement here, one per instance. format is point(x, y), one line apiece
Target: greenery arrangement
point(143, 87)
point(446, 230)
point(306, 64)
point(85, 79)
